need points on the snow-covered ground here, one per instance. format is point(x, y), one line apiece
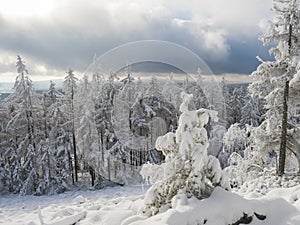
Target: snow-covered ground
point(106, 206)
point(123, 205)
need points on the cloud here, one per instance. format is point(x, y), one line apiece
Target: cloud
point(76, 29)
point(236, 16)
point(210, 41)
point(37, 69)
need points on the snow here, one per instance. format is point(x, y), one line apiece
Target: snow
point(107, 206)
point(195, 194)
point(187, 166)
point(214, 210)
point(123, 206)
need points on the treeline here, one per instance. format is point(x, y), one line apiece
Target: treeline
point(47, 138)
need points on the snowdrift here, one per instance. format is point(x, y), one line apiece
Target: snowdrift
point(124, 206)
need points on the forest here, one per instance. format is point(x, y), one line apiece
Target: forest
point(51, 138)
point(133, 148)
point(100, 130)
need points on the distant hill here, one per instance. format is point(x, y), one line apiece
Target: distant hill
point(7, 87)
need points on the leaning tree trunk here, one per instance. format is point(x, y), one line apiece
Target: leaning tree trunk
point(284, 122)
point(75, 156)
point(283, 138)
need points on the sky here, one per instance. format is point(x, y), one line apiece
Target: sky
point(55, 35)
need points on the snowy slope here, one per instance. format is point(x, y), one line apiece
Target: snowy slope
point(123, 205)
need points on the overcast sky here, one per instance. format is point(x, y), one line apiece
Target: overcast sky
point(53, 35)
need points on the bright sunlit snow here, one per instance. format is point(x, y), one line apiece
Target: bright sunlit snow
point(123, 205)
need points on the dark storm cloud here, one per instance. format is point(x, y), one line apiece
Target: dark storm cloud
point(74, 32)
point(242, 58)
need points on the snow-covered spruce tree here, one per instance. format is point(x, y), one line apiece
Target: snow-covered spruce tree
point(251, 112)
point(293, 141)
point(21, 103)
point(87, 136)
point(54, 166)
point(200, 100)
point(104, 104)
point(103, 107)
point(235, 106)
point(195, 88)
point(69, 87)
point(171, 91)
point(22, 107)
point(51, 100)
point(272, 78)
point(4, 145)
point(61, 145)
point(3, 175)
point(46, 167)
point(235, 140)
point(154, 89)
point(187, 168)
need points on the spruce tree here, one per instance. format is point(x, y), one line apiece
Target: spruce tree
point(22, 128)
point(70, 87)
point(272, 78)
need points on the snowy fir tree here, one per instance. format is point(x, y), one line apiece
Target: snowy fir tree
point(22, 131)
point(195, 87)
point(272, 80)
point(187, 169)
point(103, 111)
point(69, 87)
point(235, 140)
point(55, 149)
point(154, 89)
point(30, 150)
point(4, 145)
point(251, 112)
point(87, 136)
point(171, 91)
point(235, 107)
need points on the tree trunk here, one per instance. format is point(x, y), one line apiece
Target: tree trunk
point(75, 157)
point(116, 168)
point(73, 137)
point(93, 176)
point(102, 145)
point(283, 138)
point(108, 167)
point(284, 122)
point(71, 166)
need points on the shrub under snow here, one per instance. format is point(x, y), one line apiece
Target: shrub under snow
point(187, 168)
